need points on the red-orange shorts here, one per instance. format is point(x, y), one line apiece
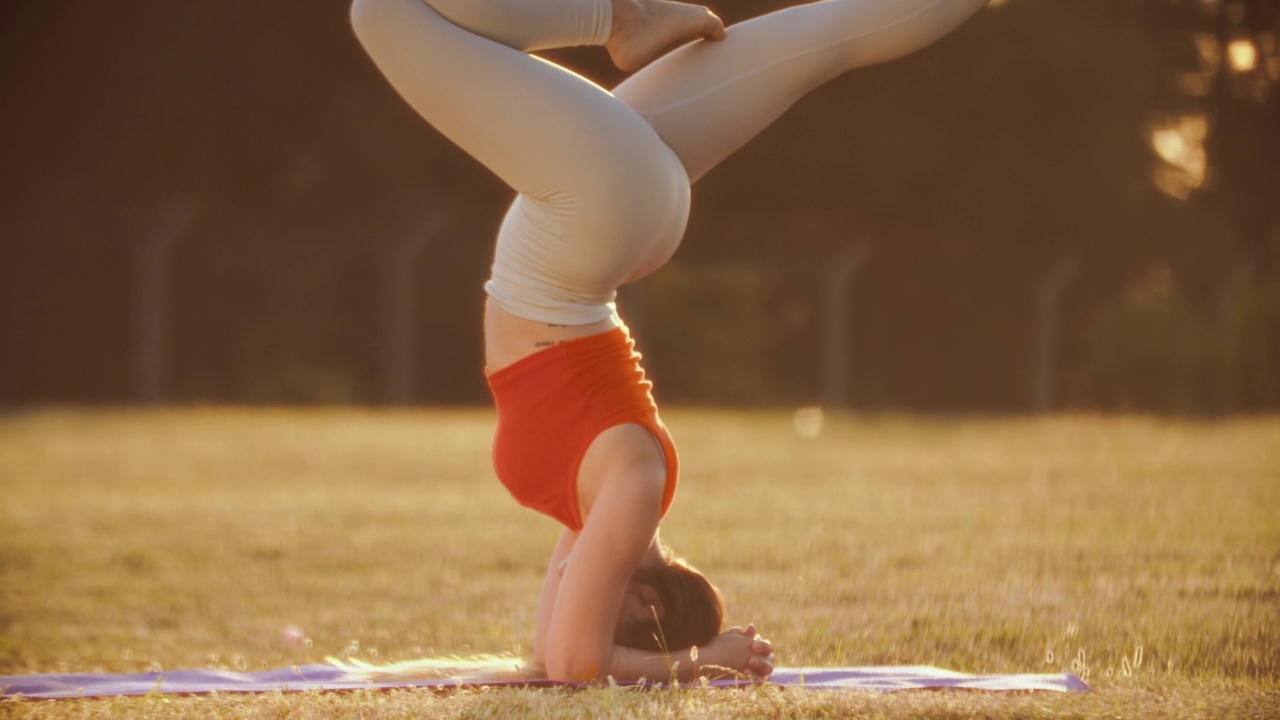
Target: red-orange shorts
point(553, 404)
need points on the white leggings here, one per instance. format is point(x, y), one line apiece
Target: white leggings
point(603, 178)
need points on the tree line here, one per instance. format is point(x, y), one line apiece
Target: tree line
point(1126, 150)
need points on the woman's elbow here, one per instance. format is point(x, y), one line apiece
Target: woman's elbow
point(566, 667)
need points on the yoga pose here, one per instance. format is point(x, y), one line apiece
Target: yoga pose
point(603, 196)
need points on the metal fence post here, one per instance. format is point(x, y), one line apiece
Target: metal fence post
point(399, 317)
point(835, 280)
point(152, 300)
point(1044, 351)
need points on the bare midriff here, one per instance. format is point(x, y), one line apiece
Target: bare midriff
point(509, 339)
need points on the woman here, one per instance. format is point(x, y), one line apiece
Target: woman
point(603, 196)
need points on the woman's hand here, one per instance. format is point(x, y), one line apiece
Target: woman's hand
point(740, 650)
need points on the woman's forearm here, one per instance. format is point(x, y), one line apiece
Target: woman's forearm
point(731, 654)
point(630, 664)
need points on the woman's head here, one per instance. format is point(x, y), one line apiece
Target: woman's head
point(679, 607)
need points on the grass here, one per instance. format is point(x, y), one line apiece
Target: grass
point(1142, 554)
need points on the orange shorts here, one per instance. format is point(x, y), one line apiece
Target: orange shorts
point(553, 404)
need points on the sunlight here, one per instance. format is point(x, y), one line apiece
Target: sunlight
point(808, 421)
point(1179, 142)
point(1169, 144)
point(1243, 55)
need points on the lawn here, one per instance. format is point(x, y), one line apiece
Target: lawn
point(1142, 554)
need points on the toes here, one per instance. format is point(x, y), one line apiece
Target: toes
point(713, 27)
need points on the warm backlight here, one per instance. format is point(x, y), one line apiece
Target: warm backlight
point(1243, 55)
point(1179, 142)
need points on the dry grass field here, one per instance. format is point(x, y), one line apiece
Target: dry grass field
point(1142, 554)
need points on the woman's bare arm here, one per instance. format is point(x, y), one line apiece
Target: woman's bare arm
point(550, 590)
point(620, 485)
point(733, 653)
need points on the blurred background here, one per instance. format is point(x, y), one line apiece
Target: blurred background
point(1067, 204)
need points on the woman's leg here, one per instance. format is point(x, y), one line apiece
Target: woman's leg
point(529, 25)
point(633, 31)
point(602, 198)
point(542, 129)
point(707, 100)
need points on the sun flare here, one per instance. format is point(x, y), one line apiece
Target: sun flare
point(1179, 143)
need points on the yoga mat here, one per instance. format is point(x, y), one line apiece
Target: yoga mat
point(329, 678)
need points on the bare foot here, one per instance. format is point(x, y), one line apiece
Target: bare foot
point(644, 30)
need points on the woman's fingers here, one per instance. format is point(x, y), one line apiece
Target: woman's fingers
point(760, 667)
point(759, 645)
point(758, 663)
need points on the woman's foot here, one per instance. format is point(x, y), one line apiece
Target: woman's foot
point(643, 30)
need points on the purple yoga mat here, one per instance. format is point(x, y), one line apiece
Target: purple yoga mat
point(328, 678)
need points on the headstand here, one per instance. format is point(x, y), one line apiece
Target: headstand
point(603, 196)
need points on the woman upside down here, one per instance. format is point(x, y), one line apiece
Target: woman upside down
point(603, 188)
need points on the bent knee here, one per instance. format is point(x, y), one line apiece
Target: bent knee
point(377, 22)
point(366, 16)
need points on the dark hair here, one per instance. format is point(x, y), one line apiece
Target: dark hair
point(693, 610)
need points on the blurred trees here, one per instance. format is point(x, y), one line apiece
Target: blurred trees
point(1194, 329)
point(1135, 138)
